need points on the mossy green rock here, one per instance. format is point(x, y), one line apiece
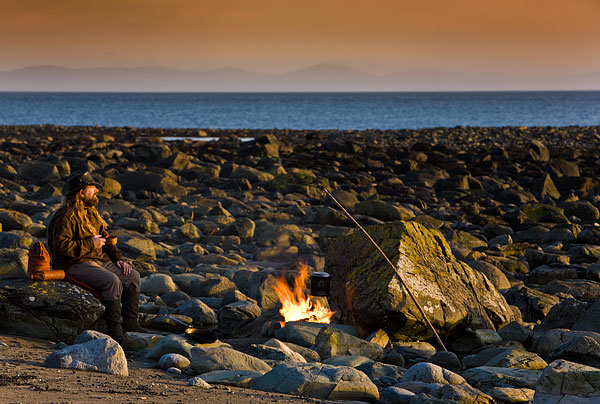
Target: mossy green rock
point(366, 290)
point(537, 212)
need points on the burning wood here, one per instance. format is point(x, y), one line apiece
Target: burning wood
point(298, 306)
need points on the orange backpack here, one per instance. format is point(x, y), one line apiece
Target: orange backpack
point(38, 265)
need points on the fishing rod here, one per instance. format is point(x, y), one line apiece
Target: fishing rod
point(437, 337)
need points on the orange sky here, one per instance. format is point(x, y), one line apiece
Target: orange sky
point(379, 36)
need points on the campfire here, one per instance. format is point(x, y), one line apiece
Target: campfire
point(296, 304)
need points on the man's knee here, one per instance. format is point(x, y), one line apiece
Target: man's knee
point(134, 280)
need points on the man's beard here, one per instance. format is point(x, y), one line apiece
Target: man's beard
point(91, 201)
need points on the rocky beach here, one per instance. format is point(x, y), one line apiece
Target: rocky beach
point(495, 230)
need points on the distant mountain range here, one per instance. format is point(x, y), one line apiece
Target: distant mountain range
point(323, 77)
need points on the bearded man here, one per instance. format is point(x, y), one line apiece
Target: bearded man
point(77, 240)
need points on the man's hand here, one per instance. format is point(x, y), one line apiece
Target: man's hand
point(98, 240)
point(125, 266)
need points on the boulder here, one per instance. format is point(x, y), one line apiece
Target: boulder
point(171, 344)
point(14, 220)
point(235, 315)
point(37, 172)
point(487, 376)
point(222, 358)
point(102, 355)
point(584, 350)
point(567, 382)
point(157, 284)
point(173, 360)
point(53, 310)
point(367, 292)
point(318, 381)
point(512, 395)
point(414, 351)
point(198, 311)
point(238, 378)
point(383, 210)
point(13, 262)
point(430, 373)
point(332, 342)
point(276, 353)
point(550, 340)
point(161, 182)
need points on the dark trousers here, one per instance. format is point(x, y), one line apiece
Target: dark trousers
point(106, 277)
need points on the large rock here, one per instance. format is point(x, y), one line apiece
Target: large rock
point(234, 315)
point(14, 220)
point(332, 342)
point(199, 311)
point(53, 310)
point(567, 382)
point(38, 172)
point(583, 350)
point(367, 291)
point(103, 355)
point(430, 373)
point(383, 210)
point(13, 262)
point(318, 381)
point(222, 358)
point(161, 182)
point(157, 284)
point(137, 248)
point(488, 376)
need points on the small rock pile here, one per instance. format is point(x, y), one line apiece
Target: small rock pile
point(210, 225)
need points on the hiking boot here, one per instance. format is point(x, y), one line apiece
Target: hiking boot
point(130, 300)
point(112, 315)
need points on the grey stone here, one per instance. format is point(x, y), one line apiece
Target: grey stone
point(352, 361)
point(486, 376)
point(517, 359)
point(544, 344)
point(171, 344)
point(383, 210)
point(173, 360)
point(13, 220)
point(201, 313)
point(238, 378)
point(13, 262)
point(98, 355)
point(318, 381)
point(583, 350)
point(395, 395)
point(222, 358)
point(157, 284)
point(567, 382)
point(512, 395)
point(472, 339)
point(217, 286)
point(414, 352)
point(332, 342)
point(237, 314)
point(430, 373)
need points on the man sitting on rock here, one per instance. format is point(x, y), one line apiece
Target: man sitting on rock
point(77, 240)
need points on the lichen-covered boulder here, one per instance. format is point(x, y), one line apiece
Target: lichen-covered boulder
point(53, 310)
point(367, 291)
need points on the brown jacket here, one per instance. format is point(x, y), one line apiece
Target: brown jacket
point(70, 242)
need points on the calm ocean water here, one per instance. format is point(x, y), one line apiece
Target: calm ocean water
point(303, 110)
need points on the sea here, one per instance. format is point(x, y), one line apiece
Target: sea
point(302, 110)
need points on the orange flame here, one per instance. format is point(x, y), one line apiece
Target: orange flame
point(298, 306)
